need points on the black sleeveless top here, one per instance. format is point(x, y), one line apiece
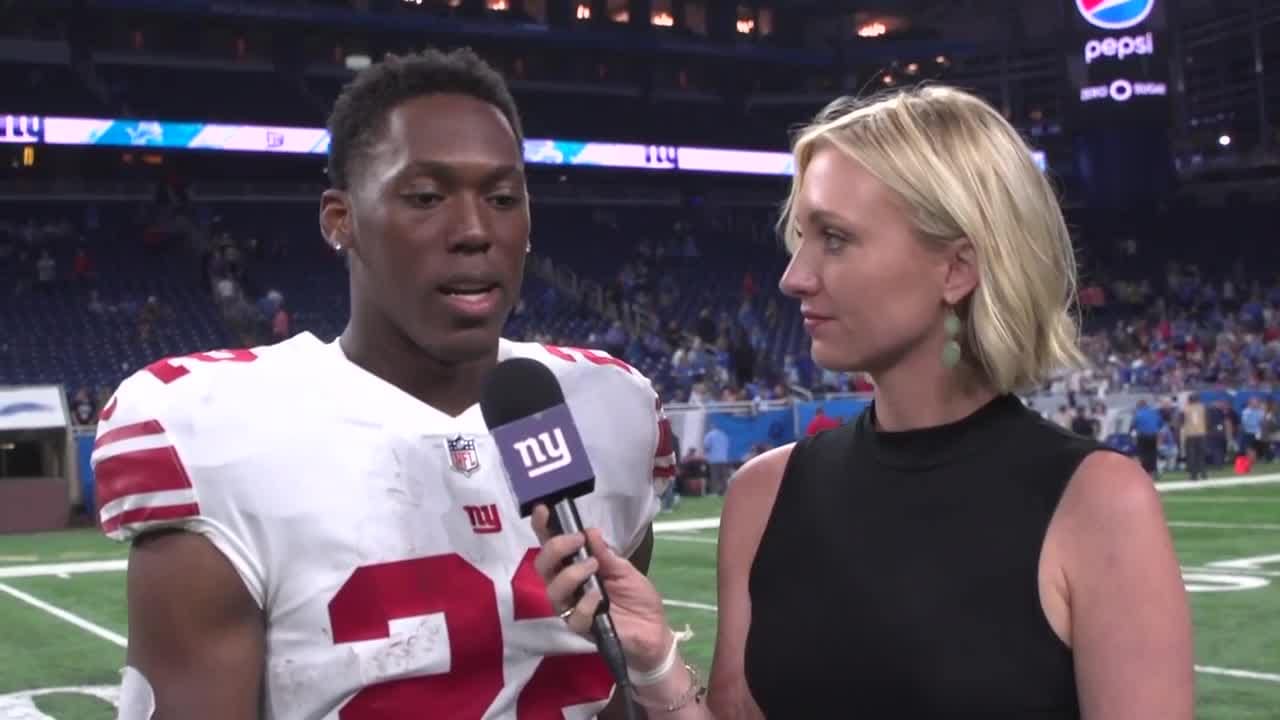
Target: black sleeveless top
point(898, 573)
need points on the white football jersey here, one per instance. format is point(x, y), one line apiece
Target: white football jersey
point(379, 535)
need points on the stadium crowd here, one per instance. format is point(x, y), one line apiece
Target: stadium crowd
point(721, 340)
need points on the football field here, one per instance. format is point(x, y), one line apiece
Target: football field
point(63, 618)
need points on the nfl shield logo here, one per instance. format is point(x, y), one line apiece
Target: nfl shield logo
point(462, 455)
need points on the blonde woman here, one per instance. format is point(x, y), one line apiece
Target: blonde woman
point(950, 553)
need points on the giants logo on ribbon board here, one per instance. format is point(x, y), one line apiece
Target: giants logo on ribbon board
point(1115, 14)
point(26, 129)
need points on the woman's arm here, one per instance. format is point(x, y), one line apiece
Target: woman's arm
point(1130, 622)
point(747, 506)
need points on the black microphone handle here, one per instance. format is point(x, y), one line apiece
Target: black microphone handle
point(565, 520)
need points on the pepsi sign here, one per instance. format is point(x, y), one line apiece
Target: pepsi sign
point(1115, 14)
point(1120, 48)
point(1119, 60)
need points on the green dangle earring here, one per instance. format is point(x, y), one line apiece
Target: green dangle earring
point(951, 350)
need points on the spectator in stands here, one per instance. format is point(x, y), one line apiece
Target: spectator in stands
point(96, 307)
point(698, 394)
point(46, 270)
point(791, 371)
point(821, 421)
point(671, 496)
point(615, 340)
point(152, 313)
point(1194, 428)
point(743, 358)
point(705, 327)
point(929, 250)
point(1167, 448)
point(82, 266)
point(1082, 424)
point(280, 323)
point(1251, 427)
point(694, 472)
point(83, 411)
point(1146, 428)
point(715, 445)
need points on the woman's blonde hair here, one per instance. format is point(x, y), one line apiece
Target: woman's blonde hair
point(964, 172)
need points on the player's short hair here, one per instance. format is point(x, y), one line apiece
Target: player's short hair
point(360, 113)
point(962, 171)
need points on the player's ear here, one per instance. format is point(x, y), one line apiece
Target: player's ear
point(335, 219)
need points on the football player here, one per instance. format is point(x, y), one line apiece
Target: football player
point(324, 529)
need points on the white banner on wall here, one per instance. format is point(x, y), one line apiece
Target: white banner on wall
point(31, 408)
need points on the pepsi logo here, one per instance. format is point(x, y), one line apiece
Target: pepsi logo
point(1115, 14)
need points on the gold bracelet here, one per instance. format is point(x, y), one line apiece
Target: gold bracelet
point(696, 694)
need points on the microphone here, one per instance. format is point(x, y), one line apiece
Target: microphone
point(547, 464)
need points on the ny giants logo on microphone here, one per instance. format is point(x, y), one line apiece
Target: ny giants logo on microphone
point(544, 457)
point(536, 461)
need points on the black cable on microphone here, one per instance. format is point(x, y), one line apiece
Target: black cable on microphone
point(547, 464)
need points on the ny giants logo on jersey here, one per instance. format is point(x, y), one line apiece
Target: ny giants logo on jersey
point(484, 518)
point(463, 457)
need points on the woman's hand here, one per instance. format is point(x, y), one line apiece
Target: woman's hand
point(634, 603)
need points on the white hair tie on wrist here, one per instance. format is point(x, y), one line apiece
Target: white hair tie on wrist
point(655, 675)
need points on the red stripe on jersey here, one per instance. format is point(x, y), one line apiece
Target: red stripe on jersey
point(127, 432)
point(666, 445)
point(528, 591)
point(150, 514)
point(664, 471)
point(109, 410)
point(141, 471)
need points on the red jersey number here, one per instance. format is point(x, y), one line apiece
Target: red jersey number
point(571, 354)
point(170, 369)
point(448, 584)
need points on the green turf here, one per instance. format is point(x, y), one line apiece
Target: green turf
point(82, 707)
point(1239, 630)
point(57, 547)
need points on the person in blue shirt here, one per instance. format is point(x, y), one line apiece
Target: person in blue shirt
point(716, 447)
point(1251, 427)
point(1146, 425)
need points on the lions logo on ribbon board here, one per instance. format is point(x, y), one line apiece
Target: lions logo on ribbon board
point(463, 457)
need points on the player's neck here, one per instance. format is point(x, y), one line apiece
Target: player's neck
point(449, 388)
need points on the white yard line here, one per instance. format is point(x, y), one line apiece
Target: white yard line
point(71, 568)
point(692, 605)
point(1231, 672)
point(688, 539)
point(65, 615)
point(666, 526)
point(18, 558)
point(1232, 571)
point(1220, 526)
point(1241, 481)
point(686, 525)
point(1225, 499)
